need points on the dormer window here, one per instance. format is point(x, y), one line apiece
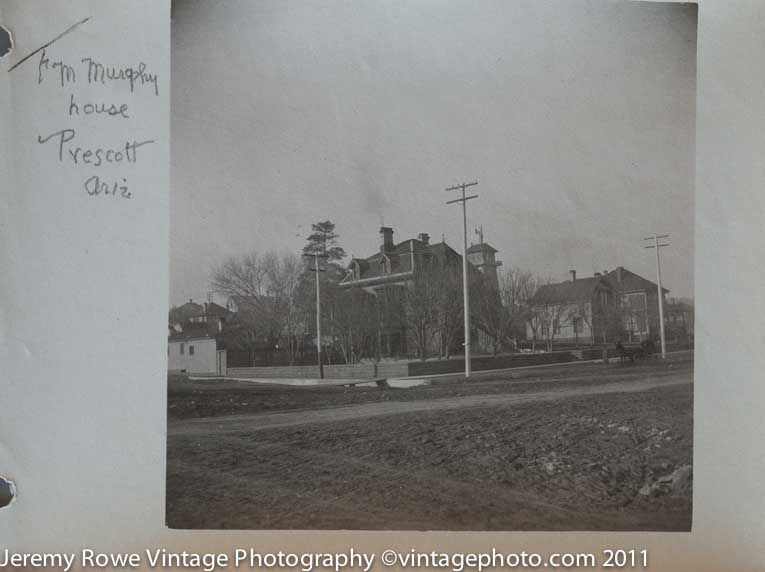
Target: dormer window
point(354, 271)
point(384, 265)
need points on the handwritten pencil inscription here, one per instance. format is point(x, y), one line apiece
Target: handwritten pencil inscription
point(78, 146)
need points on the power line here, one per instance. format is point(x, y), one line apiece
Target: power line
point(465, 288)
point(655, 238)
point(316, 256)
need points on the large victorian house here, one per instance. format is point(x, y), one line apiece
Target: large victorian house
point(393, 270)
point(398, 264)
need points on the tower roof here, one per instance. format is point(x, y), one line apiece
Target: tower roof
point(482, 247)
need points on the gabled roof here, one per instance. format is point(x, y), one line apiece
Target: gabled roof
point(443, 252)
point(361, 262)
point(194, 333)
point(630, 282)
point(581, 289)
point(213, 309)
point(190, 309)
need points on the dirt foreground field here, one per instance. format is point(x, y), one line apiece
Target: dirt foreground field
point(599, 448)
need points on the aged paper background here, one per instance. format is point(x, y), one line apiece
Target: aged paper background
point(84, 285)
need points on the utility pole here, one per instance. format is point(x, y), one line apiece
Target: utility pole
point(465, 290)
point(655, 238)
point(316, 256)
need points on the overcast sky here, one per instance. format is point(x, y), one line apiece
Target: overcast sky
point(576, 117)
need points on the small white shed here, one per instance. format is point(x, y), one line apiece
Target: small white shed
point(196, 352)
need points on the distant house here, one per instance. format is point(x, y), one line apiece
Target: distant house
point(196, 350)
point(234, 303)
point(679, 320)
point(195, 341)
point(571, 311)
point(212, 314)
point(617, 304)
point(181, 314)
point(637, 303)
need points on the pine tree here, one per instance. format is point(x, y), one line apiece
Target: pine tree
point(323, 239)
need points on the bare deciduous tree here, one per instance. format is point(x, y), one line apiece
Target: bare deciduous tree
point(447, 289)
point(420, 312)
point(500, 311)
point(546, 315)
point(266, 290)
point(353, 324)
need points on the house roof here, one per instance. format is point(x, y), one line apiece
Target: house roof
point(570, 291)
point(189, 309)
point(678, 306)
point(630, 282)
point(213, 309)
point(400, 257)
point(198, 334)
point(195, 333)
point(362, 263)
point(584, 288)
point(481, 247)
point(192, 310)
point(443, 251)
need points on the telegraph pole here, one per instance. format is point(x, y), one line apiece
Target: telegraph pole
point(465, 288)
point(316, 256)
point(655, 238)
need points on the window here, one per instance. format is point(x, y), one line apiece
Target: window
point(191, 350)
point(634, 301)
point(183, 349)
point(635, 312)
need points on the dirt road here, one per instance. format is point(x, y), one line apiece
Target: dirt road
point(600, 451)
point(255, 422)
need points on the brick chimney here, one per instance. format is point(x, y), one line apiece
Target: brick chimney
point(573, 275)
point(386, 239)
point(424, 237)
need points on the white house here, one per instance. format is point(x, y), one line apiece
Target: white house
point(196, 351)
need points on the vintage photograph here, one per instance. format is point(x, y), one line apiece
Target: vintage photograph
point(431, 265)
